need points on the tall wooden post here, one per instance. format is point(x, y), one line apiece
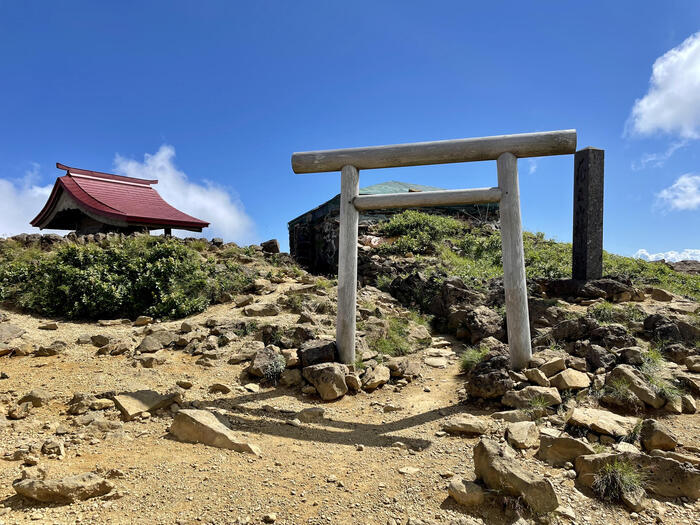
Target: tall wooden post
point(514, 283)
point(347, 264)
point(587, 251)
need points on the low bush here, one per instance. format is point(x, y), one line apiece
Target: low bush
point(156, 276)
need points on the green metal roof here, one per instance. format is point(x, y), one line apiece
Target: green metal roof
point(393, 186)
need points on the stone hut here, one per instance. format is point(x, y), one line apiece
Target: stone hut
point(313, 236)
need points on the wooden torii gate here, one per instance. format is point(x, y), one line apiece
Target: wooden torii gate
point(505, 149)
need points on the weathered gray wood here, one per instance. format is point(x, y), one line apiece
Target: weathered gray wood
point(427, 198)
point(514, 283)
point(587, 252)
point(347, 264)
point(438, 152)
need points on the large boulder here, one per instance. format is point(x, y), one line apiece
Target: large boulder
point(499, 469)
point(201, 426)
point(328, 378)
point(65, 490)
point(637, 384)
point(656, 436)
point(662, 476)
point(570, 379)
point(490, 379)
point(475, 324)
point(261, 310)
point(523, 434)
point(8, 332)
point(562, 449)
point(266, 361)
point(375, 377)
point(532, 396)
point(133, 404)
point(466, 492)
point(601, 421)
point(317, 351)
point(467, 424)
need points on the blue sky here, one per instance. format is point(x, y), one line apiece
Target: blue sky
point(213, 98)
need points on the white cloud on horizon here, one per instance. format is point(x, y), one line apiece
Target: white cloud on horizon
point(207, 201)
point(682, 195)
point(688, 254)
point(21, 201)
point(672, 104)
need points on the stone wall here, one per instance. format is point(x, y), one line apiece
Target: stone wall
point(313, 237)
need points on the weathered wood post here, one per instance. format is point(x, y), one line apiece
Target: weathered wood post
point(347, 264)
point(514, 283)
point(587, 250)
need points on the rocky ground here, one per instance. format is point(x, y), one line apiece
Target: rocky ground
point(239, 415)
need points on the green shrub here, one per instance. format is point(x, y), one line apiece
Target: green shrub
point(417, 232)
point(615, 479)
point(160, 277)
point(471, 357)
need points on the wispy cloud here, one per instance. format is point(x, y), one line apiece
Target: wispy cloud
point(207, 201)
point(672, 104)
point(532, 166)
point(672, 256)
point(682, 195)
point(657, 160)
point(21, 201)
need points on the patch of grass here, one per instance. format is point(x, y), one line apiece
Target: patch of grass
point(615, 479)
point(395, 343)
point(383, 282)
point(633, 435)
point(201, 245)
point(630, 313)
point(471, 357)
point(324, 283)
point(599, 448)
point(475, 255)
point(619, 388)
point(246, 328)
point(603, 312)
point(419, 318)
point(295, 303)
point(359, 364)
point(537, 403)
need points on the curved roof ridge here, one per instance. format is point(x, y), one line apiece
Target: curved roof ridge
point(104, 176)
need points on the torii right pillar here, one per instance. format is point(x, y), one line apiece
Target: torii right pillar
point(587, 252)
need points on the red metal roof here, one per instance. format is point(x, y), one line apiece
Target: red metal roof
point(126, 199)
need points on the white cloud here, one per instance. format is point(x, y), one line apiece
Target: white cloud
point(532, 166)
point(657, 160)
point(672, 104)
point(672, 256)
point(21, 200)
point(208, 201)
point(684, 194)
